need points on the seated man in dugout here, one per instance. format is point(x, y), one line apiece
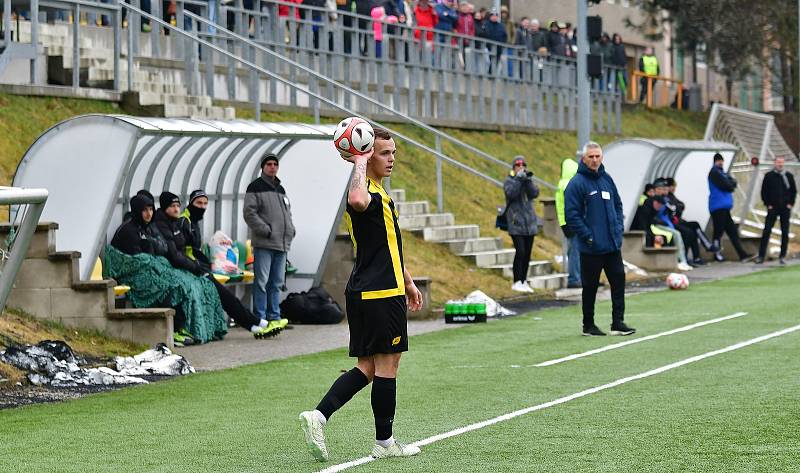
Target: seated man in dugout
point(669, 215)
point(178, 233)
point(137, 235)
point(659, 228)
point(677, 207)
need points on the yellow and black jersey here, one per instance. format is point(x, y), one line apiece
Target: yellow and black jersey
point(378, 271)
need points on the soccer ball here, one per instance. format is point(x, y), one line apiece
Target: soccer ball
point(353, 135)
point(677, 281)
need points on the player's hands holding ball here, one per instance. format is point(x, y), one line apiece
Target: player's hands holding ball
point(354, 139)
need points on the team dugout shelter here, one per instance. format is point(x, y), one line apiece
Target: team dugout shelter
point(93, 164)
point(635, 162)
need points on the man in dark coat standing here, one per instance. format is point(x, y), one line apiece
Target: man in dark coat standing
point(778, 192)
point(720, 202)
point(520, 190)
point(593, 211)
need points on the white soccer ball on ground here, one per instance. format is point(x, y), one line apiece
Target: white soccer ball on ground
point(677, 281)
point(353, 135)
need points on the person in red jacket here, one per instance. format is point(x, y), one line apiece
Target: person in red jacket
point(426, 18)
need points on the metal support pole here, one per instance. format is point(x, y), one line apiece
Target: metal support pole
point(36, 198)
point(439, 187)
point(7, 23)
point(751, 188)
point(34, 40)
point(584, 103)
point(130, 51)
point(76, 55)
point(117, 44)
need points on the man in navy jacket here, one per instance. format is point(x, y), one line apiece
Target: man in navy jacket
point(594, 213)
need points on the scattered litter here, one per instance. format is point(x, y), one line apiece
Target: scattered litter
point(54, 363)
point(493, 309)
point(632, 268)
point(157, 361)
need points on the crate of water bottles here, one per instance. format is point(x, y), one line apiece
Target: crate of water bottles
point(462, 312)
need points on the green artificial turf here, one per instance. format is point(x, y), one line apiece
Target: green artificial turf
point(734, 412)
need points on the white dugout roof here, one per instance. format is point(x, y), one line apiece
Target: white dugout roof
point(92, 165)
point(634, 162)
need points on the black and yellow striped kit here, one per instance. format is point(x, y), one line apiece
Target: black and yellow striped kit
point(378, 271)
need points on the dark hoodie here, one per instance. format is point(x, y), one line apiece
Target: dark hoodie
point(175, 233)
point(136, 236)
point(593, 210)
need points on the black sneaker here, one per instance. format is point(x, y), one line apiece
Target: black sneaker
point(758, 260)
point(622, 329)
point(781, 261)
point(718, 256)
point(593, 331)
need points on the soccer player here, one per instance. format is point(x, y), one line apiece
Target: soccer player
point(378, 294)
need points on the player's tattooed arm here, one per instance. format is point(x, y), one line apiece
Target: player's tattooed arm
point(358, 195)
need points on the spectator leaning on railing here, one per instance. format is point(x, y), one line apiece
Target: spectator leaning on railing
point(425, 17)
point(537, 39)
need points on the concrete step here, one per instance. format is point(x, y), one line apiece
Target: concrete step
point(412, 208)
point(417, 222)
point(535, 268)
point(474, 245)
point(147, 98)
point(486, 259)
point(548, 281)
point(398, 195)
point(452, 232)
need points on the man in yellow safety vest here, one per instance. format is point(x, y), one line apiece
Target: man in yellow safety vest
point(648, 64)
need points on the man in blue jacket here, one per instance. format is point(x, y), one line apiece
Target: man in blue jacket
point(720, 202)
point(594, 213)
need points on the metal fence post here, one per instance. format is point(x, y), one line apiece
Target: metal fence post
point(76, 55)
point(439, 187)
point(130, 51)
point(34, 40)
point(117, 44)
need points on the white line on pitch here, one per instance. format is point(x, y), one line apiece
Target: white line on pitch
point(562, 400)
point(685, 328)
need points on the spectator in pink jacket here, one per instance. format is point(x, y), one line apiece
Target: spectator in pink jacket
point(379, 15)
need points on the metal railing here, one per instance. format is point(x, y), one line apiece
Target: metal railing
point(647, 85)
point(439, 135)
point(30, 204)
point(252, 66)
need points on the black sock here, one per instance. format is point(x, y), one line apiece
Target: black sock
point(341, 391)
point(384, 398)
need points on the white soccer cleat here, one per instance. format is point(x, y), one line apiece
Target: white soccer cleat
point(521, 286)
point(396, 449)
point(684, 267)
point(315, 437)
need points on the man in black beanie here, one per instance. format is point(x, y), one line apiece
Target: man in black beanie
point(268, 214)
point(190, 219)
point(178, 233)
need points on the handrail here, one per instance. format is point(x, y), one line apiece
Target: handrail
point(664, 80)
point(367, 98)
point(277, 77)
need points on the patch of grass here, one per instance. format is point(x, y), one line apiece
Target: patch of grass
point(23, 119)
point(733, 412)
point(17, 327)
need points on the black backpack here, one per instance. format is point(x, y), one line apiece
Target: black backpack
point(315, 306)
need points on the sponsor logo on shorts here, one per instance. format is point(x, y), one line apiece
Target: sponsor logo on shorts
point(395, 341)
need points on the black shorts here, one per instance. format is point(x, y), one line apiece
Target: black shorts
point(377, 325)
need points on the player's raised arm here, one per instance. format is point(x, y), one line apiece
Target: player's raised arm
point(358, 195)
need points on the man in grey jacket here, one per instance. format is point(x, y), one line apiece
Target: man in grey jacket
point(520, 191)
point(269, 216)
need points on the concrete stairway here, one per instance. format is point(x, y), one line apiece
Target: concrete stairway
point(158, 93)
point(48, 286)
point(465, 241)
